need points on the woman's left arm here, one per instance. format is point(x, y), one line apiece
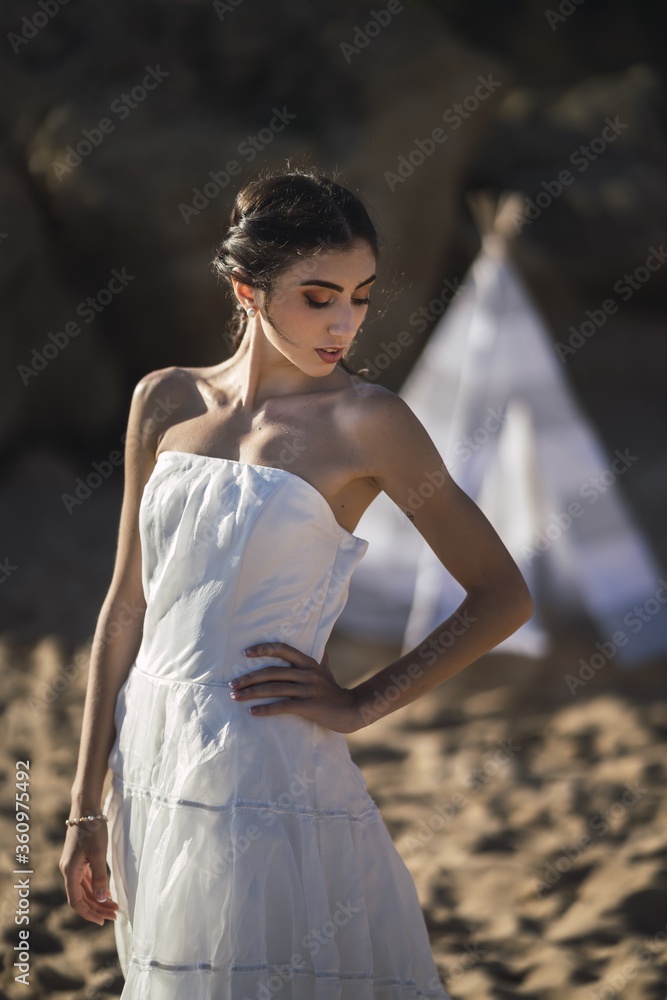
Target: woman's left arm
point(406, 465)
point(394, 448)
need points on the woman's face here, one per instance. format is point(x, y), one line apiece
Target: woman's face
point(320, 302)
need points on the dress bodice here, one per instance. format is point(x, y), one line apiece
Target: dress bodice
point(234, 554)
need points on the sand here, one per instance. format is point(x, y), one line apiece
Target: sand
point(532, 819)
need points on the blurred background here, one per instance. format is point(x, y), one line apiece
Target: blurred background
point(126, 131)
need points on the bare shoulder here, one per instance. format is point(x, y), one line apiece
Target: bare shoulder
point(384, 429)
point(404, 462)
point(173, 379)
point(160, 399)
point(155, 399)
point(364, 400)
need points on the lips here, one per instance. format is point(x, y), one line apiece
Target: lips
point(329, 356)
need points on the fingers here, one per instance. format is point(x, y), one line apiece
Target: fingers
point(87, 906)
point(80, 885)
point(98, 873)
point(81, 899)
point(284, 707)
point(282, 649)
point(270, 689)
point(105, 905)
point(275, 674)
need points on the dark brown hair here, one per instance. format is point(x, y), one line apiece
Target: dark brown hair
point(283, 216)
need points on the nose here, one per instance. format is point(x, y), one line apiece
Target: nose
point(345, 327)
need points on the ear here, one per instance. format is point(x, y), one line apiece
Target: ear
point(244, 293)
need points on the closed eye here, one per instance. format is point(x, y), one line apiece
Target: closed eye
point(323, 305)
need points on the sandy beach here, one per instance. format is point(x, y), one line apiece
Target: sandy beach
point(531, 818)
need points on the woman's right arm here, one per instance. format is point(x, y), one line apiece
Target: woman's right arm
point(116, 642)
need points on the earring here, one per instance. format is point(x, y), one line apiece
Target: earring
point(252, 311)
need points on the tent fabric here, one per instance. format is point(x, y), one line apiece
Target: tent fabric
point(493, 394)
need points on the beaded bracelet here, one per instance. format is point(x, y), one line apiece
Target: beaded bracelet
point(71, 822)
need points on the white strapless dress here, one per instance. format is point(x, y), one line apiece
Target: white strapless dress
point(248, 859)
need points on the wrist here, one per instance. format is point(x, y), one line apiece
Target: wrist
point(85, 803)
point(362, 714)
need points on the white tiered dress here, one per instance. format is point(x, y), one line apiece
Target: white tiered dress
point(247, 857)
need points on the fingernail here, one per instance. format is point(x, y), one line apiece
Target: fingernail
point(100, 895)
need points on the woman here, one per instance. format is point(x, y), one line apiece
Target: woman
point(246, 855)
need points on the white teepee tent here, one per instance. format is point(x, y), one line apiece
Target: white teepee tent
point(491, 392)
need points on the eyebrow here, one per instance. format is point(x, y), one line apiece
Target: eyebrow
point(330, 284)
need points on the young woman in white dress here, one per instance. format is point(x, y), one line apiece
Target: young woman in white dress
point(300, 258)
